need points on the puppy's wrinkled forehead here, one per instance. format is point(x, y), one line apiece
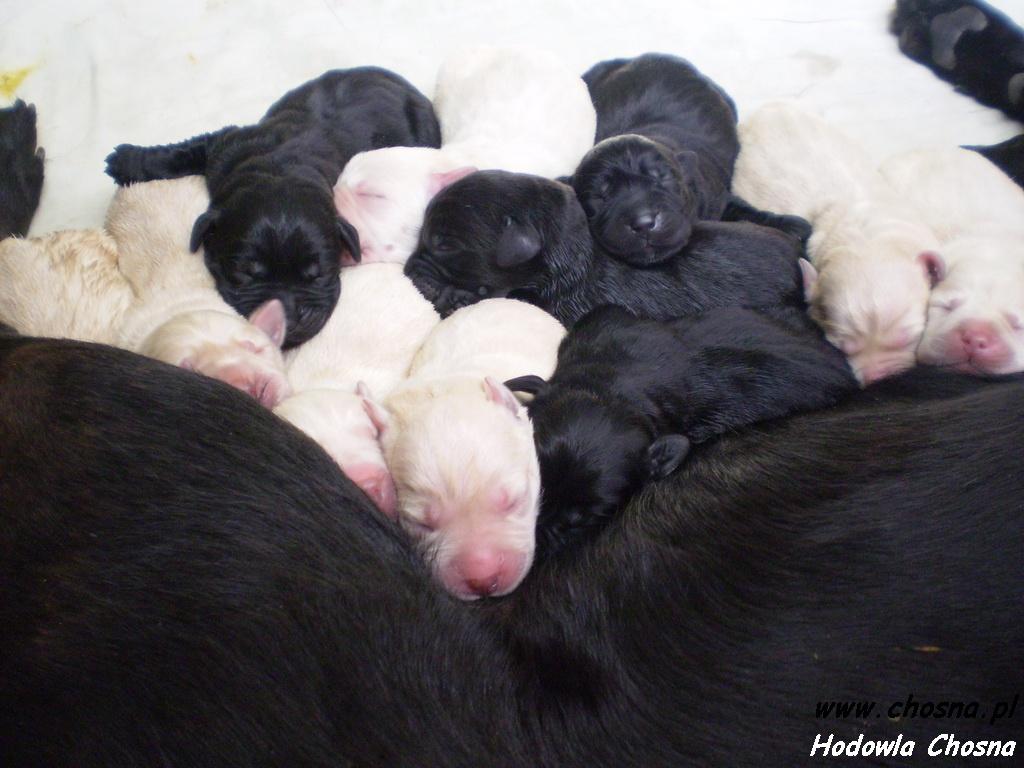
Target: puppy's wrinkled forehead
point(486, 201)
point(629, 152)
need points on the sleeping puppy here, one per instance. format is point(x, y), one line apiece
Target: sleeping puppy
point(873, 259)
point(502, 234)
point(968, 43)
point(21, 166)
point(666, 145)
point(517, 110)
point(630, 396)
point(368, 344)
point(272, 230)
point(177, 315)
point(976, 314)
point(460, 446)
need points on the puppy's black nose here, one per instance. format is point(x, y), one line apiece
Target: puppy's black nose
point(643, 221)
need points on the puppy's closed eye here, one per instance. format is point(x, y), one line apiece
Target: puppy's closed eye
point(312, 271)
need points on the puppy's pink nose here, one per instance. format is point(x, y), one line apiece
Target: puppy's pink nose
point(376, 482)
point(983, 343)
point(484, 572)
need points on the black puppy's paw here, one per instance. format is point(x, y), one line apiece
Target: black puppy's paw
point(796, 226)
point(21, 164)
point(665, 455)
point(126, 164)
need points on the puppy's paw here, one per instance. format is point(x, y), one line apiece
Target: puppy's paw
point(796, 226)
point(126, 164)
point(22, 165)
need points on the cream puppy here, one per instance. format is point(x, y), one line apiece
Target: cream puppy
point(64, 285)
point(460, 446)
point(873, 260)
point(499, 108)
point(178, 315)
point(368, 343)
point(976, 314)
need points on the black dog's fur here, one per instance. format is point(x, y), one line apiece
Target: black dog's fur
point(495, 233)
point(1008, 156)
point(630, 396)
point(968, 43)
point(21, 169)
point(272, 230)
point(186, 580)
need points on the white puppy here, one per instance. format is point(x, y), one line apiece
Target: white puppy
point(178, 316)
point(379, 323)
point(460, 446)
point(873, 259)
point(499, 108)
point(64, 285)
point(976, 314)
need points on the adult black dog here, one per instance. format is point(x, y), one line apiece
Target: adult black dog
point(272, 230)
point(186, 580)
point(666, 146)
point(22, 166)
point(968, 43)
point(629, 397)
point(495, 233)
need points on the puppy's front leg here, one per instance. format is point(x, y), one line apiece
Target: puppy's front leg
point(129, 163)
point(738, 209)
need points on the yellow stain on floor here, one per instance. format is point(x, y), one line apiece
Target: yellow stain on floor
point(11, 79)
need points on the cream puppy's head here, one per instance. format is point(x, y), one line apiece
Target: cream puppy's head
point(870, 295)
point(976, 314)
point(224, 346)
point(465, 468)
point(339, 422)
point(384, 194)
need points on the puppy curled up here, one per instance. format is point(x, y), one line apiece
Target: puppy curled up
point(272, 230)
point(138, 287)
point(629, 396)
point(976, 314)
point(499, 234)
point(513, 109)
point(873, 259)
point(460, 446)
point(368, 344)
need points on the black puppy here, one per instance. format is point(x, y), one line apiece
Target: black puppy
point(495, 233)
point(186, 580)
point(968, 43)
point(629, 396)
point(272, 230)
point(666, 146)
point(21, 168)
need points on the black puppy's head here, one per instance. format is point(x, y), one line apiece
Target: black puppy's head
point(496, 234)
point(278, 242)
point(635, 194)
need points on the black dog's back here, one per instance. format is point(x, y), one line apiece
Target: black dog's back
point(21, 169)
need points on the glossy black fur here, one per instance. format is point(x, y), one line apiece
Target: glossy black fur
point(21, 169)
point(495, 233)
point(187, 581)
point(272, 230)
point(666, 146)
point(968, 43)
point(630, 396)
point(1008, 156)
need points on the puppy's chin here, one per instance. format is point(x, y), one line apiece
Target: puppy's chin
point(645, 250)
point(446, 293)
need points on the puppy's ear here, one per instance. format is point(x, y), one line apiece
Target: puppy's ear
point(665, 455)
point(438, 181)
point(378, 414)
point(270, 318)
point(517, 245)
point(531, 385)
point(810, 277)
point(350, 239)
point(934, 266)
point(499, 394)
point(203, 226)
